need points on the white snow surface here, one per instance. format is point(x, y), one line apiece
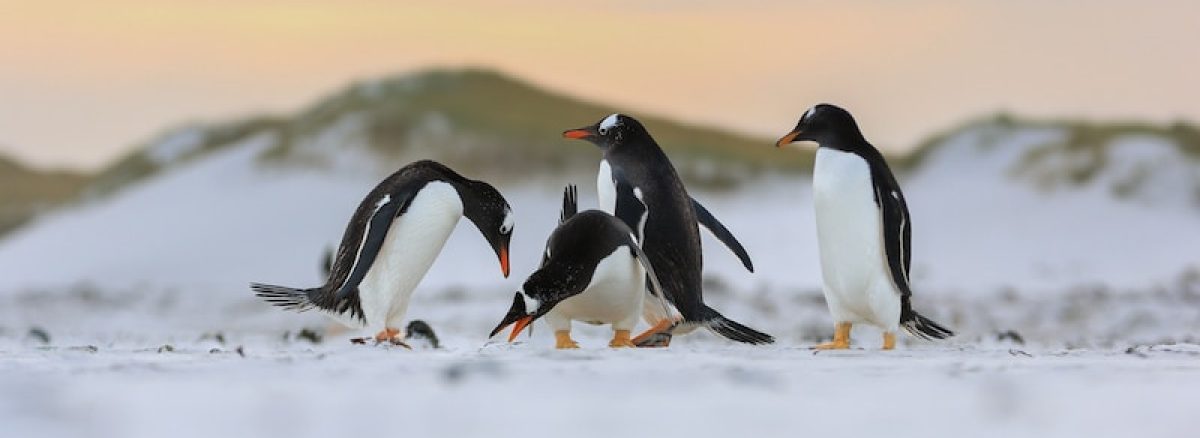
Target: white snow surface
point(1102, 293)
point(534, 392)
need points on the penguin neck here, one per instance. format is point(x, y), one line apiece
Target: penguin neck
point(848, 142)
point(471, 199)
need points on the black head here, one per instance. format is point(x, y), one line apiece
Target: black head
point(610, 131)
point(524, 310)
point(828, 126)
point(543, 290)
point(489, 211)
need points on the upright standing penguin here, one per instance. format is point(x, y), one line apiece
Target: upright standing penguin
point(592, 271)
point(392, 240)
point(863, 231)
point(638, 184)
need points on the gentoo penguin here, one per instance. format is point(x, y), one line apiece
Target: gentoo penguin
point(418, 329)
point(592, 271)
point(391, 241)
point(638, 184)
point(863, 231)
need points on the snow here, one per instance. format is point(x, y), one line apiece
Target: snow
point(1152, 165)
point(727, 391)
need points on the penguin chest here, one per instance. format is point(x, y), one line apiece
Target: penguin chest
point(606, 188)
point(614, 294)
point(850, 237)
point(413, 242)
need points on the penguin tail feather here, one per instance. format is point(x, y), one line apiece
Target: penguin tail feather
point(733, 330)
point(924, 328)
point(286, 297)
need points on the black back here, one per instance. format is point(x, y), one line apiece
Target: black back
point(573, 251)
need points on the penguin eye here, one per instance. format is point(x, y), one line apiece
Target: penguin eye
point(603, 131)
point(507, 226)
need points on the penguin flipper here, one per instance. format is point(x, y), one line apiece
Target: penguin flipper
point(705, 218)
point(387, 209)
point(897, 227)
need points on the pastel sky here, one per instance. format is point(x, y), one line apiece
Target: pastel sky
point(82, 82)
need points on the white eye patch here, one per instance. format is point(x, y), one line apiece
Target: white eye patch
point(609, 122)
point(507, 226)
point(809, 113)
point(531, 304)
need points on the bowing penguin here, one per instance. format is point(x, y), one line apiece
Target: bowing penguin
point(593, 271)
point(392, 240)
point(638, 184)
point(864, 233)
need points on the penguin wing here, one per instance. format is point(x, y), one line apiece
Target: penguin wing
point(387, 209)
point(897, 228)
point(705, 218)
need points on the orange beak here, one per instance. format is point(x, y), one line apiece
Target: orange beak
point(787, 139)
point(518, 326)
point(576, 134)
point(504, 261)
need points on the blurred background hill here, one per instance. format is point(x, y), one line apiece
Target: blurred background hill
point(25, 192)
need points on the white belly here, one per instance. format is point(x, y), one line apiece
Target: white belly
point(606, 188)
point(413, 242)
point(613, 297)
point(850, 237)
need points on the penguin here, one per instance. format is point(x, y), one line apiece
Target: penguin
point(392, 240)
point(864, 233)
point(592, 271)
point(418, 329)
point(638, 184)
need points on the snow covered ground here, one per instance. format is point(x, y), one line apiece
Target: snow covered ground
point(146, 362)
point(703, 390)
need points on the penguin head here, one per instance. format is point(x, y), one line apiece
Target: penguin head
point(825, 124)
point(524, 310)
point(490, 212)
point(544, 289)
point(610, 131)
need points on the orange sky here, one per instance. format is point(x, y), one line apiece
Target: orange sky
point(82, 82)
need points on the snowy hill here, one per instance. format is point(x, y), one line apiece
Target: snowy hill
point(488, 124)
point(1057, 205)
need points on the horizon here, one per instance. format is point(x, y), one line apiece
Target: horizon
point(85, 83)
